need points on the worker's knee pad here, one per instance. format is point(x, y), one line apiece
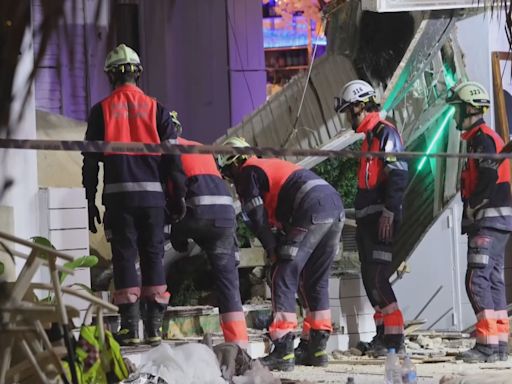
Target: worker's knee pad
point(292, 242)
point(479, 251)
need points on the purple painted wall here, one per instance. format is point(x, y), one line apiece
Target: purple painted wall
point(185, 54)
point(192, 61)
point(246, 58)
point(195, 66)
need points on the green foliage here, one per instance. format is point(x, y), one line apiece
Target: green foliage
point(341, 173)
point(39, 240)
point(243, 234)
point(187, 294)
point(87, 261)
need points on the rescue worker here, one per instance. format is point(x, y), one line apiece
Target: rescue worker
point(487, 220)
point(309, 214)
point(381, 186)
point(210, 221)
point(133, 193)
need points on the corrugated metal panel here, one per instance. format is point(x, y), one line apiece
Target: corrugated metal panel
point(272, 124)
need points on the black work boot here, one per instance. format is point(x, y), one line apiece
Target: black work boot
point(480, 353)
point(376, 346)
point(153, 319)
point(317, 348)
point(302, 353)
point(503, 351)
point(128, 335)
point(282, 357)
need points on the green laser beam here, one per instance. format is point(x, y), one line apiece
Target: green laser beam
point(444, 123)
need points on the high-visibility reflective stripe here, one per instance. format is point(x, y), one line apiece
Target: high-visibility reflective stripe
point(369, 210)
point(253, 203)
point(478, 258)
point(141, 186)
point(393, 330)
point(234, 328)
point(488, 164)
point(305, 189)
point(486, 314)
point(378, 316)
point(400, 165)
point(288, 250)
point(486, 327)
point(503, 337)
point(210, 200)
point(502, 325)
point(306, 327)
point(382, 255)
point(126, 295)
point(501, 315)
point(232, 316)
point(283, 323)
point(156, 293)
point(493, 212)
point(320, 320)
point(389, 309)
point(486, 339)
point(393, 320)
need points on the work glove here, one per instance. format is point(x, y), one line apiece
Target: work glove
point(94, 213)
point(177, 210)
point(179, 244)
point(386, 226)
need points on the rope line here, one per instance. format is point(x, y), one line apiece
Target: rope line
point(175, 149)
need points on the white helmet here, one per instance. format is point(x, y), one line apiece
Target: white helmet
point(470, 92)
point(228, 159)
point(356, 91)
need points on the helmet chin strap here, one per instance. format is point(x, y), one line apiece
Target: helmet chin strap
point(463, 115)
point(354, 117)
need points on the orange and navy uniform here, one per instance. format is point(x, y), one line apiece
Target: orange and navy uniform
point(487, 219)
point(210, 222)
point(273, 190)
point(381, 181)
point(381, 185)
point(485, 183)
point(132, 190)
point(131, 179)
point(207, 195)
point(308, 214)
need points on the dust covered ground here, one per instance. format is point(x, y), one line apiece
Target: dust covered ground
point(339, 371)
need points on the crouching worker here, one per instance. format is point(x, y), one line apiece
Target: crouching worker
point(210, 222)
point(487, 220)
point(309, 212)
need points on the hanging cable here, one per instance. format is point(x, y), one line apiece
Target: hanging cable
point(294, 129)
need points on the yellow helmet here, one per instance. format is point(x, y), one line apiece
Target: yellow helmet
point(228, 159)
point(471, 93)
point(121, 56)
